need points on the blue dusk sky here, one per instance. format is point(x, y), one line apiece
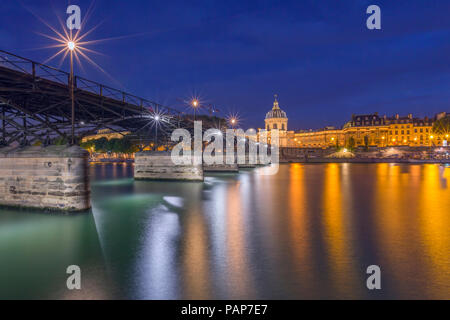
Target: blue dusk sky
point(318, 56)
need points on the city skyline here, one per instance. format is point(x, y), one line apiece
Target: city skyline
point(317, 62)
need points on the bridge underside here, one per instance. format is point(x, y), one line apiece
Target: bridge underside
point(35, 105)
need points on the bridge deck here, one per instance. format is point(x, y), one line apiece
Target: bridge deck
point(39, 96)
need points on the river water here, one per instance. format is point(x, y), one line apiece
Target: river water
point(310, 231)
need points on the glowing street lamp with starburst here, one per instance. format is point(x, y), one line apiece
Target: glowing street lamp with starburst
point(233, 120)
point(73, 44)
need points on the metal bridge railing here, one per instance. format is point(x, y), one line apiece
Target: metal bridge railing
point(39, 70)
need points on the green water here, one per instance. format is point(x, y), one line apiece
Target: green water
point(309, 231)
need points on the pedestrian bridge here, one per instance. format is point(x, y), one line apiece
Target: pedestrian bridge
point(35, 105)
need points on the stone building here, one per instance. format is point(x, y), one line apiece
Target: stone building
point(277, 119)
point(371, 130)
point(106, 133)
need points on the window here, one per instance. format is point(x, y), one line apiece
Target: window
point(282, 126)
point(275, 126)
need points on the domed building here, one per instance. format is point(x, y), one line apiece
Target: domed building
point(276, 118)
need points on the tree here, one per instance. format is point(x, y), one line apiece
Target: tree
point(60, 141)
point(110, 145)
point(124, 145)
point(88, 145)
point(115, 145)
point(442, 126)
point(351, 143)
point(366, 143)
point(100, 144)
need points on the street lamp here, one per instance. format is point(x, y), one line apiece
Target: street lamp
point(156, 118)
point(71, 45)
point(76, 46)
point(195, 105)
point(233, 120)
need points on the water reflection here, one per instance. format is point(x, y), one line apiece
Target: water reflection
point(196, 262)
point(337, 217)
point(300, 230)
point(308, 232)
point(237, 249)
point(157, 265)
point(412, 228)
point(434, 216)
point(36, 249)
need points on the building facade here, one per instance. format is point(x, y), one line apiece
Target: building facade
point(373, 130)
point(367, 130)
point(106, 133)
point(277, 119)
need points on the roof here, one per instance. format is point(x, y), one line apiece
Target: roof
point(276, 112)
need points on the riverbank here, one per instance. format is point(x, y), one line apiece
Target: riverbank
point(367, 160)
point(316, 160)
point(405, 154)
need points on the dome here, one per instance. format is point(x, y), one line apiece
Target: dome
point(276, 112)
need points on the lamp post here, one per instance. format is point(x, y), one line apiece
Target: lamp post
point(194, 104)
point(156, 118)
point(431, 146)
point(71, 45)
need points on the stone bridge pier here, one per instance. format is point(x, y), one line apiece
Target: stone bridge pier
point(49, 178)
point(158, 165)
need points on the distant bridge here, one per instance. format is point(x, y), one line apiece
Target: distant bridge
point(35, 105)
